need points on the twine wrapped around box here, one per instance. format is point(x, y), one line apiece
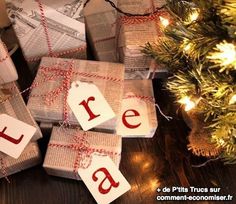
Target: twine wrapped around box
point(48, 99)
point(12, 103)
point(134, 32)
point(70, 149)
point(48, 28)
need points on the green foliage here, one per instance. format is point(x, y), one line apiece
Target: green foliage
point(196, 52)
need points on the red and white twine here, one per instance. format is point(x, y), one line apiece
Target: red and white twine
point(45, 27)
point(81, 145)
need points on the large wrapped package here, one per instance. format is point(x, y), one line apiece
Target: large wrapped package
point(48, 28)
point(12, 104)
point(101, 29)
point(138, 96)
point(29, 157)
point(7, 69)
point(47, 101)
point(70, 149)
point(133, 32)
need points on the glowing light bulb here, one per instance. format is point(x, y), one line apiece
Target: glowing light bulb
point(186, 46)
point(225, 54)
point(194, 16)
point(189, 105)
point(232, 100)
point(165, 22)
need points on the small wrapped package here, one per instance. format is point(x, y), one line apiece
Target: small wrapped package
point(48, 28)
point(101, 30)
point(29, 157)
point(138, 107)
point(134, 32)
point(12, 104)
point(48, 98)
point(68, 149)
point(7, 68)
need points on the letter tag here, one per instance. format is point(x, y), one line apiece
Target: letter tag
point(133, 120)
point(88, 105)
point(14, 135)
point(104, 180)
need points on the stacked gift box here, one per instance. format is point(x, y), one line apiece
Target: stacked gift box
point(133, 32)
point(101, 30)
point(47, 106)
point(12, 104)
point(48, 28)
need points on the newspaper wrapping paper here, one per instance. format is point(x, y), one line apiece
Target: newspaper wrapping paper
point(142, 90)
point(30, 157)
point(99, 73)
point(134, 32)
point(101, 29)
point(63, 154)
point(12, 103)
point(7, 68)
point(48, 28)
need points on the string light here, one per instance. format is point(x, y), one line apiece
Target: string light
point(232, 100)
point(187, 46)
point(193, 16)
point(189, 105)
point(224, 55)
point(165, 22)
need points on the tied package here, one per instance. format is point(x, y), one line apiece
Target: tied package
point(48, 28)
point(48, 98)
point(29, 157)
point(71, 149)
point(100, 22)
point(138, 110)
point(12, 104)
point(134, 32)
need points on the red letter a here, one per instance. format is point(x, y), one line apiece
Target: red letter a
point(85, 104)
point(108, 176)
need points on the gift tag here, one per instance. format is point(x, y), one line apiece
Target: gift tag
point(14, 135)
point(89, 105)
point(134, 117)
point(104, 180)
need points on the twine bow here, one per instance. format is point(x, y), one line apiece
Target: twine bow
point(85, 152)
point(64, 87)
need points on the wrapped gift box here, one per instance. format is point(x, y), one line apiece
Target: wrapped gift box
point(7, 68)
point(68, 147)
point(29, 157)
point(100, 22)
point(108, 77)
point(134, 32)
point(48, 28)
point(12, 103)
point(142, 91)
